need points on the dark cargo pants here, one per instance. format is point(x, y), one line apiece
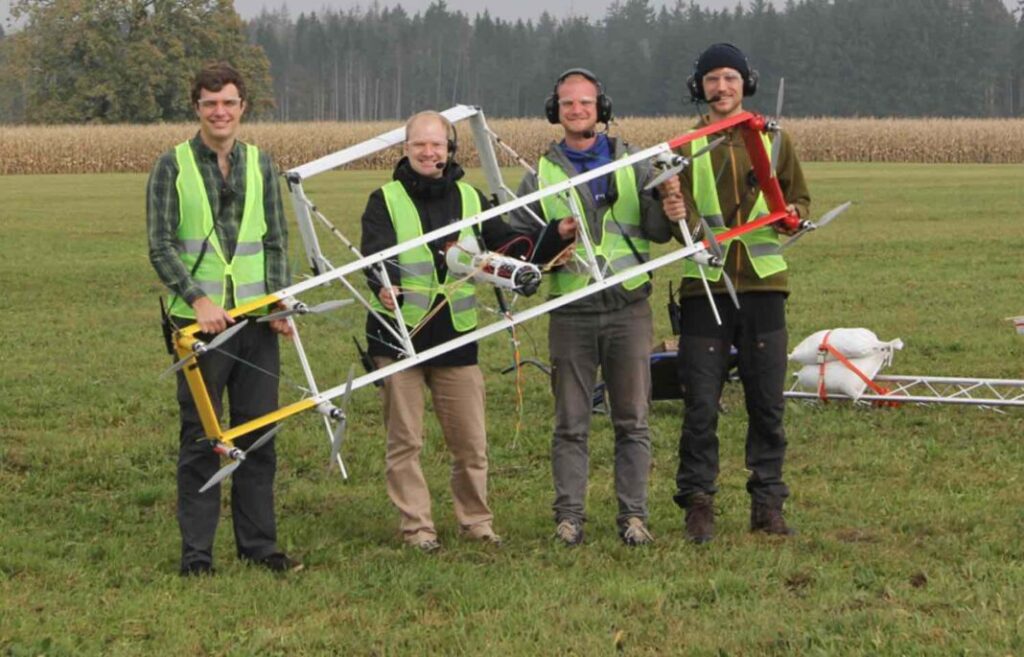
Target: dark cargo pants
point(252, 393)
point(758, 330)
point(620, 343)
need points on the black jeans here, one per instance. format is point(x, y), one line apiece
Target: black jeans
point(252, 393)
point(758, 330)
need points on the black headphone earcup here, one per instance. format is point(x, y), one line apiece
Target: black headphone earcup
point(750, 84)
point(695, 88)
point(551, 108)
point(604, 108)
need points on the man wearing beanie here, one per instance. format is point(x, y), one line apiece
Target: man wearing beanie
point(720, 186)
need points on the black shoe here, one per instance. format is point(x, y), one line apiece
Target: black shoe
point(279, 562)
point(768, 518)
point(197, 569)
point(700, 518)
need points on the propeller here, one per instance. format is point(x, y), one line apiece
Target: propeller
point(716, 249)
point(199, 347)
point(237, 456)
point(302, 309)
point(342, 417)
point(678, 163)
point(821, 223)
point(777, 142)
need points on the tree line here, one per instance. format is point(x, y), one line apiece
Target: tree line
point(839, 58)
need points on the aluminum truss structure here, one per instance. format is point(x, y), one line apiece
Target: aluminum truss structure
point(988, 393)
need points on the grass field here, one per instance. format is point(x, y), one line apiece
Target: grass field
point(911, 520)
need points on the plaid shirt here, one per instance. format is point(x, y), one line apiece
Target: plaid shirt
point(227, 201)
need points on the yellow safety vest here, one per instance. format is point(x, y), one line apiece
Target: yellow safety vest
point(420, 286)
point(613, 246)
point(762, 244)
point(245, 273)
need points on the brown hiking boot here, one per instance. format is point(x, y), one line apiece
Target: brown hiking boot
point(768, 518)
point(700, 518)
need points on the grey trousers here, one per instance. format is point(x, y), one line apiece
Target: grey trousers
point(619, 343)
point(758, 330)
point(252, 393)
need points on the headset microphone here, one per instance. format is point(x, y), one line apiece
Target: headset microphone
point(440, 165)
point(713, 100)
point(589, 134)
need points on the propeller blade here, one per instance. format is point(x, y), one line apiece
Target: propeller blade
point(337, 436)
point(833, 213)
point(328, 306)
point(731, 289)
point(824, 221)
point(777, 142)
point(778, 99)
point(711, 297)
point(302, 309)
point(713, 244)
point(776, 149)
point(339, 432)
point(263, 439)
point(213, 344)
point(667, 174)
point(711, 145)
point(225, 335)
point(280, 314)
point(348, 388)
point(221, 475)
point(177, 366)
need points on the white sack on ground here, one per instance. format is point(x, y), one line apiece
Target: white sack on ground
point(850, 342)
point(839, 379)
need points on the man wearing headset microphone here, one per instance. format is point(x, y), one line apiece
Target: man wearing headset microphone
point(611, 328)
point(720, 187)
point(437, 305)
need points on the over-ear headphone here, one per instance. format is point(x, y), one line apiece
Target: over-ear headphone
point(604, 102)
point(695, 83)
point(453, 140)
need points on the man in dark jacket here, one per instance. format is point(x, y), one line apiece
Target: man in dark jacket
point(611, 329)
point(424, 195)
point(720, 186)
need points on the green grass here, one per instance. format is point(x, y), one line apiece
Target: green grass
point(910, 519)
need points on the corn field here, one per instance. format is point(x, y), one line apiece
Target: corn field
point(134, 148)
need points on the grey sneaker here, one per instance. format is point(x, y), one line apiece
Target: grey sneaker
point(569, 532)
point(636, 533)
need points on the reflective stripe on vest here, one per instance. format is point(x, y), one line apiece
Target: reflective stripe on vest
point(420, 287)
point(246, 270)
point(761, 244)
point(613, 247)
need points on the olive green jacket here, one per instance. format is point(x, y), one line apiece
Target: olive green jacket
point(734, 172)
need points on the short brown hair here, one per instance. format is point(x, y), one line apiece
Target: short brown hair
point(214, 77)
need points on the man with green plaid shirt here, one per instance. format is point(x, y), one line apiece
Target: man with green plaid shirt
point(217, 239)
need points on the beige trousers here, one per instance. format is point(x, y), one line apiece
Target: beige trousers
point(458, 397)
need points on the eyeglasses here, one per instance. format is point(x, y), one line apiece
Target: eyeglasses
point(566, 103)
point(728, 78)
point(212, 103)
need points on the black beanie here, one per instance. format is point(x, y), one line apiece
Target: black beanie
point(719, 55)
